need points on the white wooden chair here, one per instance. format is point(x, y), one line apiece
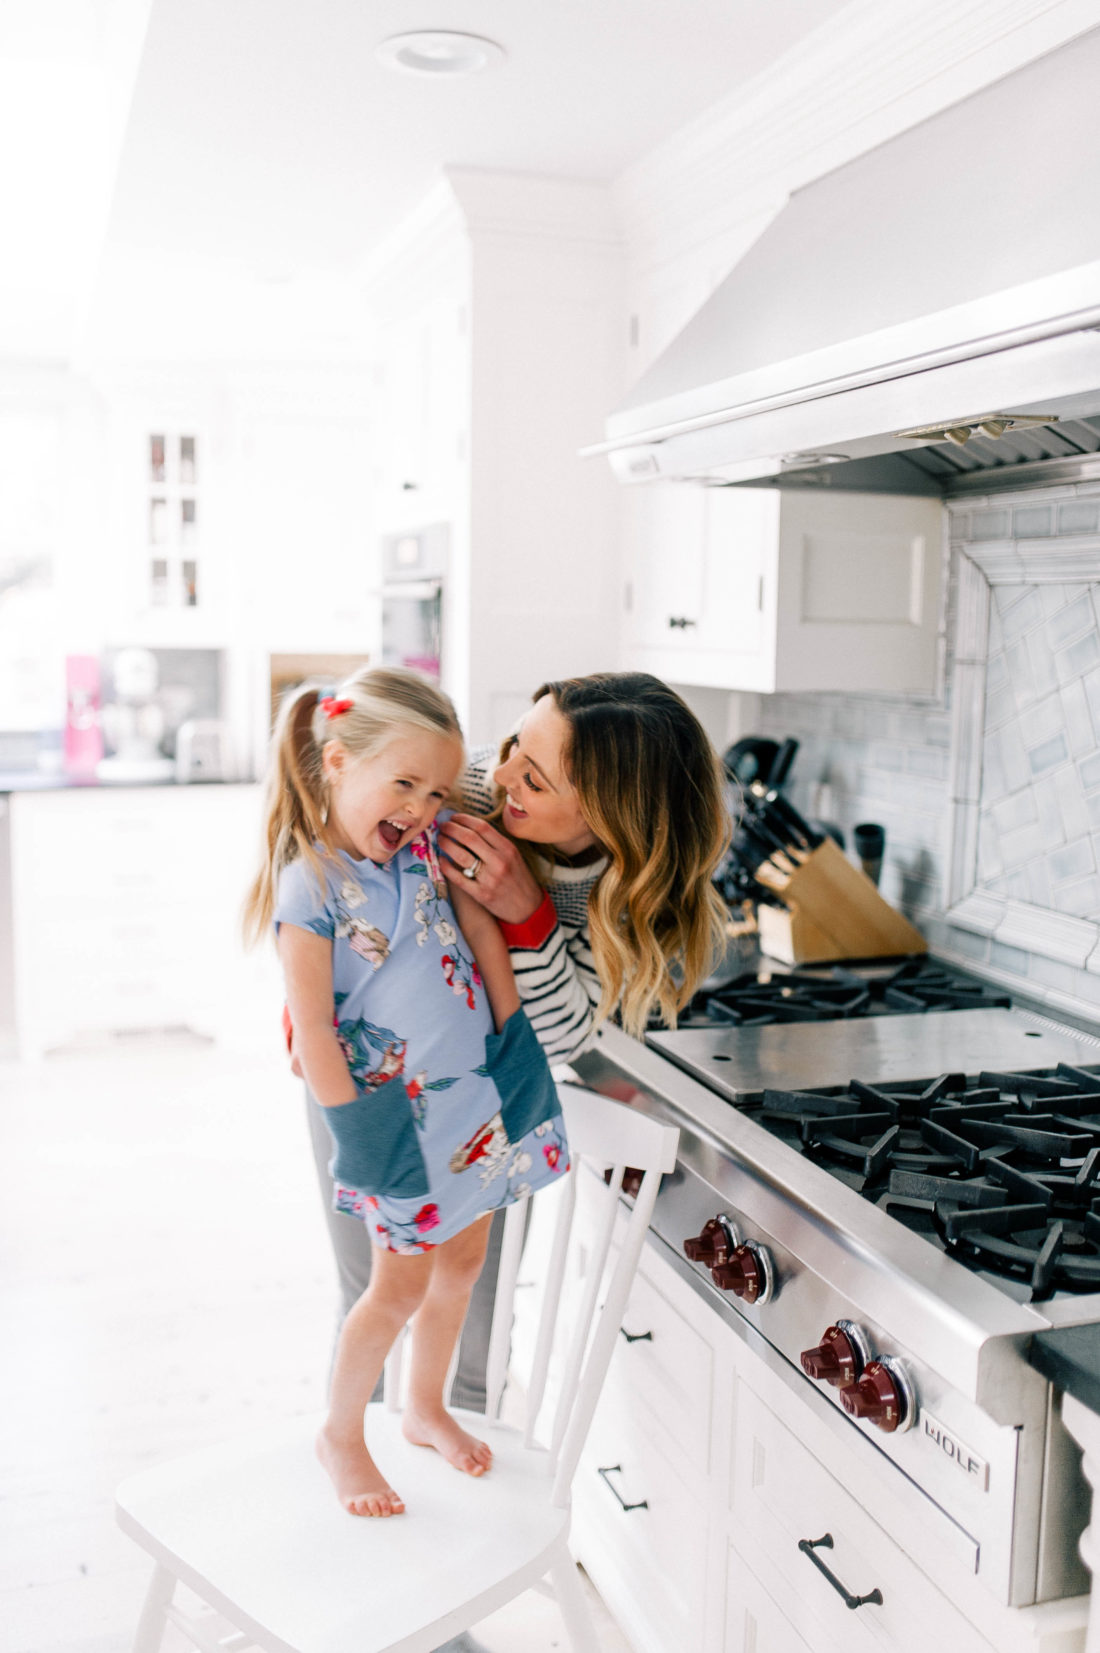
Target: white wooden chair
point(253, 1528)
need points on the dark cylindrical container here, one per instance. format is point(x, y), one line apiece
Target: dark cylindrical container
point(870, 841)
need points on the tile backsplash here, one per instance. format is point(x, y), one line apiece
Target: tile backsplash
point(888, 758)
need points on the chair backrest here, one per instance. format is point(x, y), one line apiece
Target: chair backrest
point(604, 1137)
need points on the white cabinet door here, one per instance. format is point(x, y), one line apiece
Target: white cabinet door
point(666, 527)
point(651, 1471)
point(761, 589)
point(754, 1624)
point(813, 1546)
point(424, 400)
point(735, 640)
point(858, 604)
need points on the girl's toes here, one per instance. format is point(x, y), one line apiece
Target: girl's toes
point(376, 1504)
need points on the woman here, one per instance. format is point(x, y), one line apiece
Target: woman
point(598, 854)
point(593, 842)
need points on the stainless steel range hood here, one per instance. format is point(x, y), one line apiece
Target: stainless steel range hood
point(951, 275)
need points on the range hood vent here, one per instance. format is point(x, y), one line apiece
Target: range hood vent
point(950, 276)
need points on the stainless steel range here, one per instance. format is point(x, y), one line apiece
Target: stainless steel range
point(896, 1203)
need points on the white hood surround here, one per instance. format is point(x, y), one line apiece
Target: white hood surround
point(950, 273)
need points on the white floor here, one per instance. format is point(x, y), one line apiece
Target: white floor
point(165, 1280)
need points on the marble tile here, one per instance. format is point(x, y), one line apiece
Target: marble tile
point(1070, 622)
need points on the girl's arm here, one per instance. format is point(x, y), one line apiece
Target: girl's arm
point(307, 972)
point(491, 953)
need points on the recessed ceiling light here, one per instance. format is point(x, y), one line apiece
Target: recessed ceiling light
point(438, 52)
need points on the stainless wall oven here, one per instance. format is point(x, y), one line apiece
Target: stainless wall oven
point(414, 579)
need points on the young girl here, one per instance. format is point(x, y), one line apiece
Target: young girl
point(437, 1120)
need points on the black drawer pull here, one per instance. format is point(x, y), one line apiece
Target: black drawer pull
point(808, 1546)
point(636, 1337)
point(617, 1469)
point(680, 622)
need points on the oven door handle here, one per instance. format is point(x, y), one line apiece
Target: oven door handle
point(809, 1545)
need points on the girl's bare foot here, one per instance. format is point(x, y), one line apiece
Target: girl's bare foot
point(440, 1430)
point(360, 1486)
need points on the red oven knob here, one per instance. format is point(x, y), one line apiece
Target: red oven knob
point(883, 1396)
point(840, 1356)
point(714, 1245)
point(748, 1273)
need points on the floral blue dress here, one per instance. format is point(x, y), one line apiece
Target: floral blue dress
point(450, 1119)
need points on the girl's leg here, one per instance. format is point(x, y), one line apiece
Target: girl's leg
point(352, 1251)
point(435, 1329)
point(397, 1288)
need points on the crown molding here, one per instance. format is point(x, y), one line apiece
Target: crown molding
point(874, 70)
point(528, 204)
point(467, 205)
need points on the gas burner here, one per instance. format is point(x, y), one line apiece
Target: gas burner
point(914, 988)
point(1002, 1170)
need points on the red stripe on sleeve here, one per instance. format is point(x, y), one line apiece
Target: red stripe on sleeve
point(534, 930)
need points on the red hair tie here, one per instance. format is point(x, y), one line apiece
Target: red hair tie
point(333, 708)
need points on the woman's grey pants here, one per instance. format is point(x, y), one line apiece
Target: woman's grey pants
point(352, 1249)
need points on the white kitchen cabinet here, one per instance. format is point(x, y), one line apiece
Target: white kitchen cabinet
point(125, 910)
point(713, 1468)
point(278, 484)
point(765, 589)
point(754, 1622)
point(649, 1478)
point(424, 385)
point(493, 308)
point(781, 1496)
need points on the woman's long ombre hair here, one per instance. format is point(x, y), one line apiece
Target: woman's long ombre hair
point(649, 785)
point(366, 711)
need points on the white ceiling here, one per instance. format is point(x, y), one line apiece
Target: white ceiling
point(266, 129)
point(266, 148)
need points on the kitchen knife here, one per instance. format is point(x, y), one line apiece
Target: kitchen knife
point(789, 822)
point(781, 767)
point(770, 844)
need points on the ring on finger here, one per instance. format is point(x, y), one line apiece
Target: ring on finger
point(473, 869)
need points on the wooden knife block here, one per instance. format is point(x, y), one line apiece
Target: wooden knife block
point(833, 911)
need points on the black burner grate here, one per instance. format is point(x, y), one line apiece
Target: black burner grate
point(913, 988)
point(1002, 1170)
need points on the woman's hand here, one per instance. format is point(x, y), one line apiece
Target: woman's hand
point(504, 885)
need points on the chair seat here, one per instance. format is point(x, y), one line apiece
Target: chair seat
point(255, 1526)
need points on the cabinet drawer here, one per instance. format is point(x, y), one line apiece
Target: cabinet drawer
point(653, 1555)
point(753, 1622)
point(782, 1495)
point(667, 1368)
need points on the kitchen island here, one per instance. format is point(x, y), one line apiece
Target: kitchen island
point(120, 909)
point(950, 1494)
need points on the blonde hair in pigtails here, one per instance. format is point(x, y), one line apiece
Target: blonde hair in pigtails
point(294, 811)
point(366, 711)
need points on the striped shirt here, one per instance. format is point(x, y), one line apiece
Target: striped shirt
point(551, 954)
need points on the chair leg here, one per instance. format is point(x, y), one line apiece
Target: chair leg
point(583, 1637)
point(154, 1619)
